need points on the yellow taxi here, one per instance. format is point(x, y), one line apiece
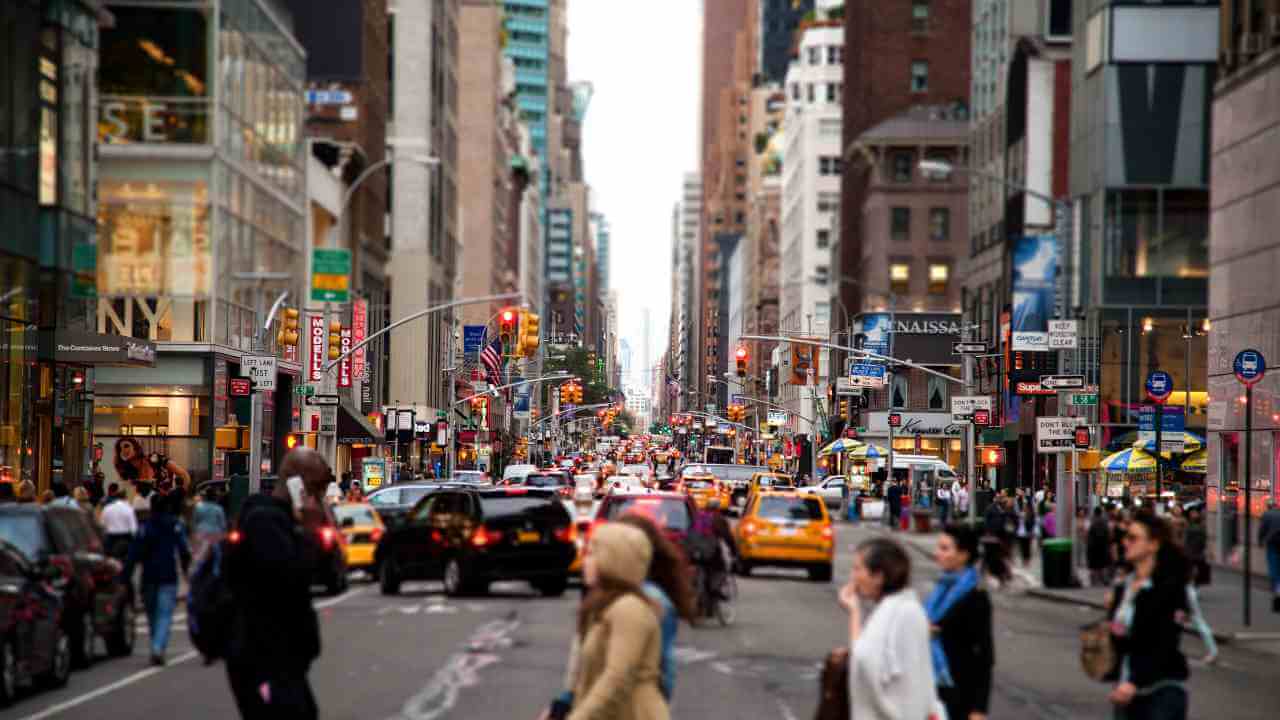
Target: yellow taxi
point(786, 529)
point(362, 528)
point(702, 488)
point(768, 481)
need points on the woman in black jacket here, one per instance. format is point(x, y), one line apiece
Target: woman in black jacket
point(959, 610)
point(1151, 677)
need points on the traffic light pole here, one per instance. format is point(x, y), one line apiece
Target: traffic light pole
point(255, 396)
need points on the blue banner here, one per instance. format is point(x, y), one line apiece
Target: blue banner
point(472, 338)
point(877, 328)
point(1035, 271)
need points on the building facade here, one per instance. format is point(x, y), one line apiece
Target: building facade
point(777, 23)
point(1243, 246)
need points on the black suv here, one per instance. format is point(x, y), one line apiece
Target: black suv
point(395, 501)
point(96, 602)
point(33, 645)
point(471, 537)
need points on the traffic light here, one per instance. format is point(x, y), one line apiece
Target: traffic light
point(507, 322)
point(291, 440)
point(993, 456)
point(566, 393)
point(741, 356)
point(335, 339)
point(577, 394)
point(300, 439)
point(529, 334)
point(288, 335)
point(844, 408)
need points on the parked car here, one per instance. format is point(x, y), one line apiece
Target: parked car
point(470, 537)
point(830, 490)
point(394, 501)
point(96, 604)
point(34, 647)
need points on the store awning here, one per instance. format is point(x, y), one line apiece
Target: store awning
point(1133, 460)
point(79, 347)
point(355, 429)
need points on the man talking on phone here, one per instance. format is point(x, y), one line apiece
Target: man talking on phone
point(276, 635)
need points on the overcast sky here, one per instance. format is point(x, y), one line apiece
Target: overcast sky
point(639, 138)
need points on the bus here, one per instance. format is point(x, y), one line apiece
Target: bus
point(720, 455)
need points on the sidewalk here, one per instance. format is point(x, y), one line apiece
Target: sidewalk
point(1221, 601)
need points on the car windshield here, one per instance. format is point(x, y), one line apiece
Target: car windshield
point(544, 480)
point(774, 481)
point(734, 473)
point(358, 514)
point(789, 508)
point(697, 484)
point(668, 513)
point(23, 531)
point(411, 495)
point(635, 469)
point(501, 505)
point(474, 477)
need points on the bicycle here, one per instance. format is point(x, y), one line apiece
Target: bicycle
point(719, 602)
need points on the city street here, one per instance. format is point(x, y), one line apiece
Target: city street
point(421, 656)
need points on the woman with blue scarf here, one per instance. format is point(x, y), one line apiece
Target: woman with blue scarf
point(959, 612)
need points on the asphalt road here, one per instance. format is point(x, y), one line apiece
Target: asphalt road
point(421, 656)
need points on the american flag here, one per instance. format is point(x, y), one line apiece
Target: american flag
point(491, 358)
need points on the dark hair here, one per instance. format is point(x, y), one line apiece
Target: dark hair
point(60, 490)
point(1097, 511)
point(1171, 561)
point(887, 558)
point(966, 539)
point(669, 569)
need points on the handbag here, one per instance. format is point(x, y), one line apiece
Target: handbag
point(1098, 655)
point(833, 704)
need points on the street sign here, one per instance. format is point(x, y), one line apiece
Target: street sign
point(964, 406)
point(321, 400)
point(1064, 334)
point(330, 275)
point(1172, 424)
point(867, 370)
point(472, 338)
point(329, 418)
point(1159, 386)
point(479, 386)
point(967, 348)
point(261, 371)
point(239, 387)
point(1249, 366)
point(1062, 382)
point(1032, 388)
point(777, 417)
point(1079, 399)
point(1055, 434)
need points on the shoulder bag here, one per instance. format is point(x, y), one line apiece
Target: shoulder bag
point(833, 704)
point(1098, 655)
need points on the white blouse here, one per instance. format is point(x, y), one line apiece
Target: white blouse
point(891, 668)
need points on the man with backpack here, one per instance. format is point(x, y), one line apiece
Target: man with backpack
point(275, 633)
point(160, 547)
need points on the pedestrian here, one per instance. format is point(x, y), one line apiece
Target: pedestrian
point(617, 674)
point(1098, 555)
point(141, 501)
point(959, 611)
point(161, 548)
point(208, 522)
point(46, 498)
point(890, 662)
point(1269, 539)
point(1026, 531)
point(944, 503)
point(26, 492)
point(1178, 524)
point(62, 496)
point(276, 634)
point(81, 497)
point(1144, 611)
point(355, 494)
point(960, 496)
point(346, 483)
point(1196, 544)
point(893, 496)
point(332, 493)
point(1049, 523)
point(119, 524)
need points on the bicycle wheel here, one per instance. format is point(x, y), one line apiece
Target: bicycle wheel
point(727, 604)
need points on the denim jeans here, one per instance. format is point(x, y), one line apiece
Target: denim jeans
point(1273, 567)
point(160, 601)
point(1167, 703)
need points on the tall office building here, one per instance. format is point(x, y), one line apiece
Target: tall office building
point(777, 24)
point(424, 208)
point(528, 30)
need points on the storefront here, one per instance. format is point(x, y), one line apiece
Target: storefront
point(358, 439)
point(932, 434)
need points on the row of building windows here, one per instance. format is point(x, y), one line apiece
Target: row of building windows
point(830, 165)
point(811, 90)
point(939, 277)
point(834, 54)
point(939, 224)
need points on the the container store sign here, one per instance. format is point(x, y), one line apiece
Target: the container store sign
point(315, 343)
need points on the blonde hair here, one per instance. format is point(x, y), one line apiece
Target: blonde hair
point(80, 494)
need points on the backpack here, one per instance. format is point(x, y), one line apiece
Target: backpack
point(210, 605)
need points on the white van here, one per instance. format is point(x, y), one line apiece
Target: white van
point(941, 471)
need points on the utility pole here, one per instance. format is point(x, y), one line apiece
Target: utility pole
point(970, 447)
point(450, 434)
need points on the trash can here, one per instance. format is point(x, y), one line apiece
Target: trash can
point(923, 519)
point(1055, 562)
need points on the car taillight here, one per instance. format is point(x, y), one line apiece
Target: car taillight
point(234, 537)
point(376, 535)
point(483, 537)
point(827, 532)
point(327, 537)
point(749, 528)
point(564, 533)
point(518, 491)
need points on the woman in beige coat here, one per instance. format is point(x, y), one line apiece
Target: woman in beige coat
point(617, 670)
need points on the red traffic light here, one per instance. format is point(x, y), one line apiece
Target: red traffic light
point(895, 420)
point(741, 353)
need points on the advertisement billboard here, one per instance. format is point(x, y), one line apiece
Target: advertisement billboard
point(926, 338)
point(359, 328)
point(1035, 270)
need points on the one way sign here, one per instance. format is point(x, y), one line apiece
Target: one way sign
point(1063, 382)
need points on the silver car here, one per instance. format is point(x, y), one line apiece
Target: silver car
point(829, 490)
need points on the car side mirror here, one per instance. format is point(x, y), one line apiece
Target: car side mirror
point(348, 522)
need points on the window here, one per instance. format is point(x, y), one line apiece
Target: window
point(830, 165)
point(937, 393)
point(902, 166)
point(939, 276)
point(900, 278)
point(815, 56)
point(821, 274)
point(822, 310)
point(795, 91)
point(809, 92)
point(920, 16)
point(828, 202)
point(920, 76)
point(901, 391)
point(824, 239)
point(835, 55)
point(939, 224)
point(900, 224)
point(831, 92)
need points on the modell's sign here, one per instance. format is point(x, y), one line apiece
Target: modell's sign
point(316, 339)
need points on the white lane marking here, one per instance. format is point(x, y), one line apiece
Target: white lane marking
point(462, 670)
point(144, 674)
point(787, 714)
